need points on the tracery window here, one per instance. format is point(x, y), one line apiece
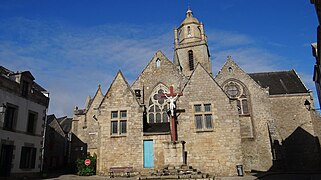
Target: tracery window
point(191, 60)
point(236, 91)
point(157, 106)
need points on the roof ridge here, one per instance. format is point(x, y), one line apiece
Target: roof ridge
point(271, 72)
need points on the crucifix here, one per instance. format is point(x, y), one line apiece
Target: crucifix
point(172, 97)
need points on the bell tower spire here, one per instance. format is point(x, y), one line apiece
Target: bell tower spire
point(190, 44)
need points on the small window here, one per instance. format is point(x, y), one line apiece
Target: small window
point(10, 117)
point(189, 31)
point(123, 114)
point(208, 121)
point(207, 107)
point(28, 158)
point(198, 121)
point(197, 108)
point(203, 117)
point(32, 122)
point(114, 114)
point(25, 88)
point(114, 127)
point(119, 123)
point(158, 63)
point(123, 127)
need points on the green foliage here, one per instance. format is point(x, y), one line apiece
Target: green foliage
point(84, 170)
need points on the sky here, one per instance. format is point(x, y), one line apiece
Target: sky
point(72, 46)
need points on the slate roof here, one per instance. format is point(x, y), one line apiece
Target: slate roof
point(65, 123)
point(282, 82)
point(157, 127)
point(50, 118)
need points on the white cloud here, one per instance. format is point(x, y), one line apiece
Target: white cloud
point(70, 62)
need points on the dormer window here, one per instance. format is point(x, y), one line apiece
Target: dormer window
point(158, 63)
point(25, 88)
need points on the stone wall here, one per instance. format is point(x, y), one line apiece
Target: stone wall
point(216, 150)
point(85, 125)
point(123, 149)
point(256, 150)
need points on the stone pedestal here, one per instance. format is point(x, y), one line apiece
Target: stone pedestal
point(174, 153)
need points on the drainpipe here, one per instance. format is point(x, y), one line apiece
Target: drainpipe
point(44, 135)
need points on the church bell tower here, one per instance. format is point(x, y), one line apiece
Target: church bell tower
point(190, 45)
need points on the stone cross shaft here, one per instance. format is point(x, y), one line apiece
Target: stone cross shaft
point(172, 97)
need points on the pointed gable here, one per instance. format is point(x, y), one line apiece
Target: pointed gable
point(202, 85)
point(96, 100)
point(159, 70)
point(231, 70)
point(119, 90)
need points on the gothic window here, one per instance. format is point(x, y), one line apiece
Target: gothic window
point(236, 91)
point(157, 106)
point(157, 63)
point(118, 122)
point(203, 117)
point(191, 60)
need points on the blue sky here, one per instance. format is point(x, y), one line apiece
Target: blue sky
point(71, 46)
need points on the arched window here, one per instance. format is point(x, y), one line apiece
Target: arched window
point(158, 63)
point(157, 106)
point(191, 60)
point(236, 91)
point(189, 31)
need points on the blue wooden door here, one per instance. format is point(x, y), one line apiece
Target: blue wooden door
point(148, 154)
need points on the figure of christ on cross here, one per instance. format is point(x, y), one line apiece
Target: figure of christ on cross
point(172, 97)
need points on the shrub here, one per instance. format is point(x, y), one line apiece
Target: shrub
point(84, 170)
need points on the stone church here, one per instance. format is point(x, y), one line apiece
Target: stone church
point(258, 120)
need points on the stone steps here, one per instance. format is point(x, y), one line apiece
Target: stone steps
point(177, 172)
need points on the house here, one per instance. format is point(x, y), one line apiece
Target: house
point(24, 105)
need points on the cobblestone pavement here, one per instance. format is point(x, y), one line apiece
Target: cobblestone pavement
point(276, 176)
point(247, 177)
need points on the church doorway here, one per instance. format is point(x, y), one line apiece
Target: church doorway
point(148, 154)
point(5, 160)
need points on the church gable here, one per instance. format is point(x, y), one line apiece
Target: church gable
point(159, 70)
point(209, 119)
point(231, 70)
point(118, 91)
